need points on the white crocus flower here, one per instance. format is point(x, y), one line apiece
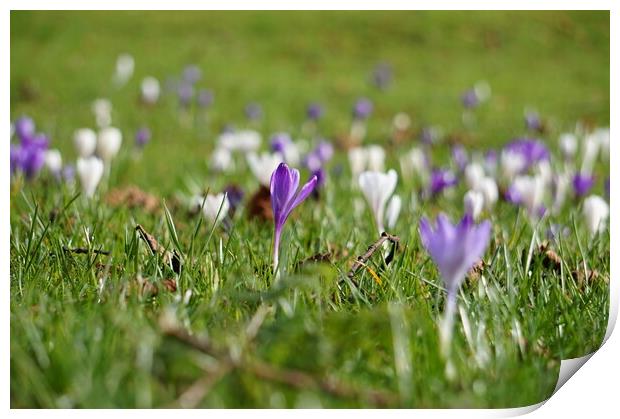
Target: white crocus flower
point(244, 141)
point(211, 208)
point(561, 186)
point(474, 174)
point(124, 68)
point(401, 122)
point(102, 109)
point(413, 164)
point(531, 190)
point(473, 202)
point(592, 145)
point(357, 160)
point(376, 158)
point(595, 212)
point(90, 171)
point(488, 188)
point(543, 169)
point(109, 143)
point(511, 163)
point(568, 145)
point(221, 159)
point(393, 211)
point(85, 142)
point(602, 134)
point(377, 188)
point(150, 90)
point(263, 165)
point(53, 160)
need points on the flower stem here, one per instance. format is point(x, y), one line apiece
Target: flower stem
point(276, 251)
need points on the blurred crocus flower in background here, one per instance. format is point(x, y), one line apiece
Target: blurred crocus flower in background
point(454, 249)
point(90, 171)
point(459, 156)
point(214, 207)
point(221, 159)
point(414, 164)
point(531, 151)
point(192, 74)
point(568, 145)
point(440, 180)
point(362, 109)
point(53, 161)
point(185, 93)
point(582, 183)
point(24, 127)
point(377, 188)
point(470, 99)
point(124, 69)
point(102, 109)
point(244, 141)
point(595, 212)
point(532, 120)
point(143, 136)
point(285, 198)
point(382, 75)
point(263, 166)
point(150, 90)
point(85, 142)
point(528, 191)
point(253, 111)
point(282, 143)
point(205, 98)
point(28, 156)
point(430, 135)
point(68, 174)
point(109, 143)
point(314, 111)
point(371, 158)
point(474, 203)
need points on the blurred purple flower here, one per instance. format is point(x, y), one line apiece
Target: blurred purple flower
point(192, 74)
point(606, 186)
point(324, 150)
point(253, 111)
point(235, 196)
point(29, 155)
point(428, 135)
point(382, 75)
point(24, 127)
point(143, 136)
point(582, 183)
point(532, 121)
point(440, 180)
point(185, 92)
point(284, 199)
point(362, 108)
point(314, 111)
point(205, 98)
point(470, 99)
point(532, 150)
point(459, 156)
point(280, 141)
point(512, 196)
point(68, 173)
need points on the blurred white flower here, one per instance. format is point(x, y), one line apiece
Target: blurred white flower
point(150, 90)
point(483, 90)
point(124, 68)
point(413, 164)
point(568, 145)
point(263, 165)
point(90, 171)
point(401, 121)
point(488, 188)
point(109, 143)
point(212, 205)
point(602, 134)
point(376, 158)
point(393, 211)
point(511, 163)
point(357, 161)
point(53, 161)
point(473, 202)
point(592, 145)
point(102, 109)
point(474, 174)
point(244, 141)
point(595, 212)
point(85, 142)
point(543, 169)
point(561, 185)
point(531, 191)
point(377, 188)
point(221, 159)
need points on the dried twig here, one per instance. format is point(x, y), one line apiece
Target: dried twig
point(363, 259)
point(172, 259)
point(83, 251)
point(293, 378)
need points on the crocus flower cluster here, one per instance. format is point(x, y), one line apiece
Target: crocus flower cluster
point(315, 160)
point(29, 155)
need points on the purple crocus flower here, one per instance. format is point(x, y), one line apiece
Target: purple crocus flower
point(16, 158)
point(382, 75)
point(284, 199)
point(185, 91)
point(235, 195)
point(362, 108)
point(470, 99)
point(582, 183)
point(205, 98)
point(280, 141)
point(512, 196)
point(24, 127)
point(459, 156)
point(253, 111)
point(143, 136)
point(441, 179)
point(532, 150)
point(454, 249)
point(32, 159)
point(68, 173)
point(192, 74)
point(314, 111)
point(324, 150)
point(532, 121)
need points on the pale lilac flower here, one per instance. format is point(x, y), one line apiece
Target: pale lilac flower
point(362, 108)
point(192, 74)
point(253, 111)
point(185, 93)
point(429, 135)
point(528, 191)
point(314, 111)
point(284, 199)
point(532, 121)
point(582, 183)
point(29, 155)
point(470, 99)
point(382, 75)
point(205, 98)
point(24, 127)
point(454, 249)
point(324, 150)
point(459, 156)
point(68, 173)
point(143, 136)
point(283, 144)
point(377, 188)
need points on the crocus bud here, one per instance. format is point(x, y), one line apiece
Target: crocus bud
point(377, 187)
point(568, 145)
point(124, 68)
point(474, 202)
point(85, 142)
point(595, 213)
point(109, 143)
point(150, 90)
point(53, 161)
point(102, 109)
point(215, 207)
point(393, 211)
point(90, 171)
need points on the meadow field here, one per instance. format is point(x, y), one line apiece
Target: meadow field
point(135, 284)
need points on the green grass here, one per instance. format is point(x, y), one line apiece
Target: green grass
point(82, 334)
